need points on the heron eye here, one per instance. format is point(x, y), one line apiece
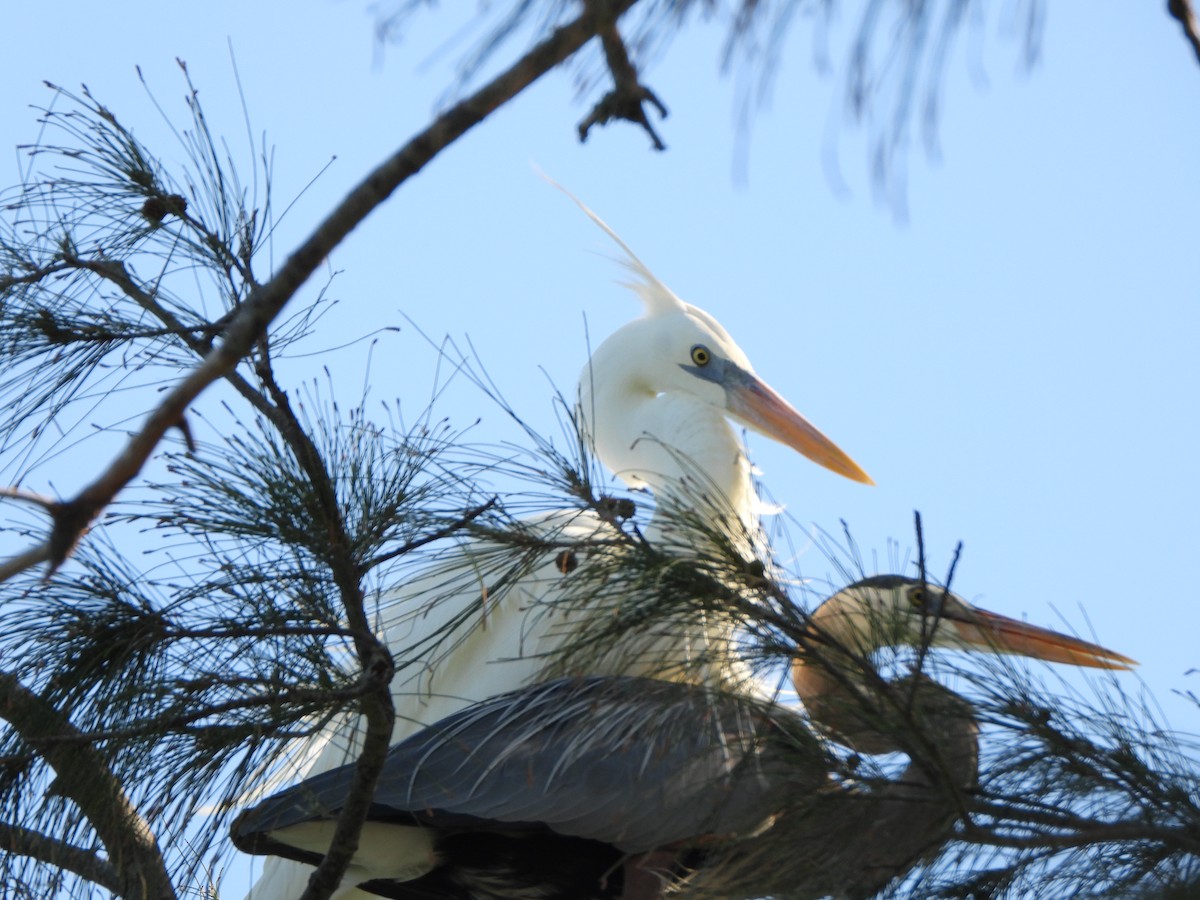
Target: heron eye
point(916, 596)
point(700, 355)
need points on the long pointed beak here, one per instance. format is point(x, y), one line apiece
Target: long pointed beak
point(991, 631)
point(759, 406)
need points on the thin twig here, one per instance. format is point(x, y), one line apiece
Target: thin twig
point(33, 276)
point(1087, 834)
point(165, 724)
point(444, 532)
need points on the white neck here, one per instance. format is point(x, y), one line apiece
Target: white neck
point(673, 443)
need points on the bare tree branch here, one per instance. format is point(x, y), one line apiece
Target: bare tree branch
point(84, 863)
point(85, 777)
point(1183, 11)
point(248, 326)
point(12, 493)
point(628, 97)
point(15, 565)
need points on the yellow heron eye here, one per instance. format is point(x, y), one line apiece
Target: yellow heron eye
point(916, 596)
point(700, 355)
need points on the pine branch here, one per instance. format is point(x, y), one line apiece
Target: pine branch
point(116, 272)
point(25, 560)
point(374, 658)
point(447, 531)
point(1080, 833)
point(85, 777)
point(35, 275)
point(377, 664)
point(58, 854)
point(167, 724)
point(247, 327)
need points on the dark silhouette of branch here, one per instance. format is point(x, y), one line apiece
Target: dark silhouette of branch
point(458, 525)
point(1182, 11)
point(7, 493)
point(1085, 833)
point(248, 326)
point(60, 854)
point(115, 272)
point(34, 276)
point(33, 556)
point(85, 777)
point(374, 658)
point(628, 97)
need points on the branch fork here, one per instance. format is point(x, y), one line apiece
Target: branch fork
point(628, 98)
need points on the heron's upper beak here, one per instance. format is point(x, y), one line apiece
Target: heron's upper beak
point(759, 406)
point(1000, 634)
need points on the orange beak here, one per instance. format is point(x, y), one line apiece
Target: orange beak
point(1001, 634)
point(757, 405)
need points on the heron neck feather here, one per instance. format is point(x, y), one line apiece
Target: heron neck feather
point(680, 447)
point(873, 718)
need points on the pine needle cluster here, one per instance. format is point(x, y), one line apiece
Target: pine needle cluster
point(146, 697)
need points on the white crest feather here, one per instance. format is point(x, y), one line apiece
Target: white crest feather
point(657, 296)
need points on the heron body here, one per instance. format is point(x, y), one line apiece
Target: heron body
point(610, 787)
point(655, 404)
point(523, 776)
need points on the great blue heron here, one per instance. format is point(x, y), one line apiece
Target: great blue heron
point(654, 401)
point(611, 787)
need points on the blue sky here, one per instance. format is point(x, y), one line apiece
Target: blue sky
point(1017, 359)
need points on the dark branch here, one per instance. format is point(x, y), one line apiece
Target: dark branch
point(265, 302)
point(22, 841)
point(374, 657)
point(628, 97)
point(33, 276)
point(115, 271)
point(12, 493)
point(85, 777)
point(1183, 11)
point(457, 525)
point(1085, 834)
point(376, 662)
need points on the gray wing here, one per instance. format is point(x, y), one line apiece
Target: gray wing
point(632, 762)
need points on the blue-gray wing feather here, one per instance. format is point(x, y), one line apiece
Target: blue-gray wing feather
point(632, 762)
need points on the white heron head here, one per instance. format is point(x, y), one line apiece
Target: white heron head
point(660, 389)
